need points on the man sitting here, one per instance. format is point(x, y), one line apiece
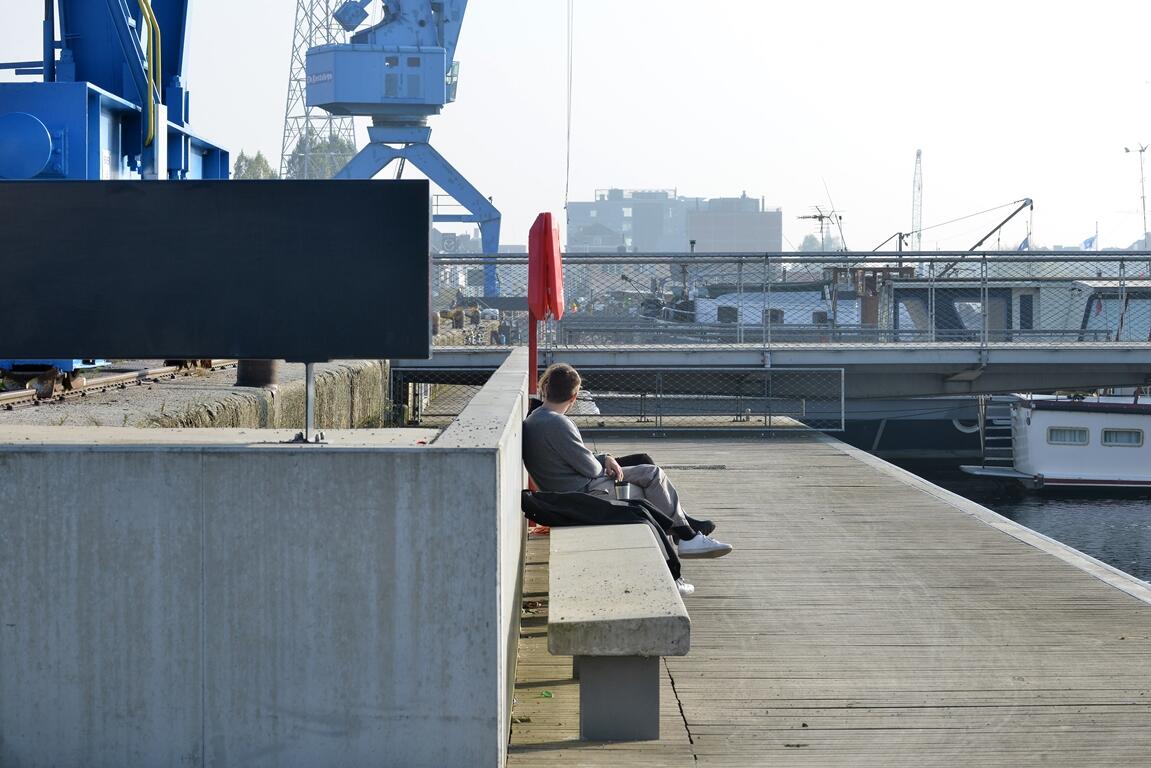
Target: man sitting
point(558, 460)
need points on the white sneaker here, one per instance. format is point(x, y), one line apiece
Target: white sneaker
point(702, 546)
point(684, 588)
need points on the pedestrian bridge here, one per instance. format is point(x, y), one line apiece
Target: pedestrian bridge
point(767, 334)
point(887, 370)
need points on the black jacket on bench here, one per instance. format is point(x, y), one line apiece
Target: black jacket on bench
point(563, 509)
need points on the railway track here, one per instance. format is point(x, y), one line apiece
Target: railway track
point(104, 382)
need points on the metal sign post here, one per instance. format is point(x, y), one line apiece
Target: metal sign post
point(309, 435)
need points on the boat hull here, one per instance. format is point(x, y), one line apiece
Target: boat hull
point(1097, 443)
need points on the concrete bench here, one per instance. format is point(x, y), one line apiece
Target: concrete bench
point(616, 610)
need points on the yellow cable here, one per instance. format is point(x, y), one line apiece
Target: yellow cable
point(153, 43)
point(159, 48)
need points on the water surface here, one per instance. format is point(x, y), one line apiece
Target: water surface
point(1110, 525)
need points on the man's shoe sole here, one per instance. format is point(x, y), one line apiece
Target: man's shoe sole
point(713, 553)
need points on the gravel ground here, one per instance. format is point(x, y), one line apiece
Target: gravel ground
point(135, 405)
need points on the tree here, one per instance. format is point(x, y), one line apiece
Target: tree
point(318, 158)
point(813, 244)
point(256, 167)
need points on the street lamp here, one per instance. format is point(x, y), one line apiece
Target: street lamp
point(1142, 188)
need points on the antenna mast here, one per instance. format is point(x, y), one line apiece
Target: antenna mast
point(823, 219)
point(917, 204)
point(304, 126)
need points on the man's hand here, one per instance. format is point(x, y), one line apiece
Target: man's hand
point(612, 468)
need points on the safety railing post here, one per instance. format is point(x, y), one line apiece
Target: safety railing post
point(767, 300)
point(842, 400)
point(659, 399)
point(769, 406)
point(1122, 299)
point(763, 304)
point(985, 310)
point(739, 302)
point(931, 322)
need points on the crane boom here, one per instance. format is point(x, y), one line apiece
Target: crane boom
point(1024, 204)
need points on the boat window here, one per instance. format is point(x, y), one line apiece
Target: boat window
point(1127, 438)
point(1067, 436)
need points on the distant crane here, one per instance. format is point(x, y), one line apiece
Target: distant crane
point(308, 130)
point(917, 203)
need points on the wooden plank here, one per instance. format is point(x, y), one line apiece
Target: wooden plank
point(862, 620)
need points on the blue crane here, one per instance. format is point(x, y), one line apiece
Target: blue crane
point(400, 72)
point(110, 103)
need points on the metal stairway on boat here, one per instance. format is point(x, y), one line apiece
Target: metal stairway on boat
point(995, 432)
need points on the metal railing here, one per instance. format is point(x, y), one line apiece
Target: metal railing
point(962, 298)
point(741, 399)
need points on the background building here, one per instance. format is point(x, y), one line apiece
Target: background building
point(653, 221)
point(734, 225)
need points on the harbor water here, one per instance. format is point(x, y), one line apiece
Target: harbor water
point(1109, 525)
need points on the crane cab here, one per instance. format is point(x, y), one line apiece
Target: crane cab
point(379, 81)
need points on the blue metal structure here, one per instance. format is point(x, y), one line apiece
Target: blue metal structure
point(110, 103)
point(400, 72)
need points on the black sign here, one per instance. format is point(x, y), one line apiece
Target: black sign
point(296, 270)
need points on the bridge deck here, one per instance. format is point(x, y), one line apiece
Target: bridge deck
point(866, 618)
point(871, 370)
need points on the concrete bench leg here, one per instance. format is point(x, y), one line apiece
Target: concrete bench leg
point(618, 698)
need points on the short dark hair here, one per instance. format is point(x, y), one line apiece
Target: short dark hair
point(559, 383)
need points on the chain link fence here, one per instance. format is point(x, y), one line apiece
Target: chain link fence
point(845, 299)
point(744, 399)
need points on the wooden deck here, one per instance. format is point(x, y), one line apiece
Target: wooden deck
point(865, 618)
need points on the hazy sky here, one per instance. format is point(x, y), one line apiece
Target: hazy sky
point(800, 103)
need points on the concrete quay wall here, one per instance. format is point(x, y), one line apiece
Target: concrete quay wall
point(193, 598)
point(350, 394)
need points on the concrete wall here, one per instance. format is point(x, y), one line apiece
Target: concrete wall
point(485, 422)
point(349, 394)
point(172, 597)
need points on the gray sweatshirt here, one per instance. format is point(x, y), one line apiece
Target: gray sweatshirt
point(555, 455)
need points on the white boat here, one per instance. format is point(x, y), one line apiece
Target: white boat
point(1094, 442)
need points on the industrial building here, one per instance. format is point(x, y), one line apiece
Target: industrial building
point(647, 221)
